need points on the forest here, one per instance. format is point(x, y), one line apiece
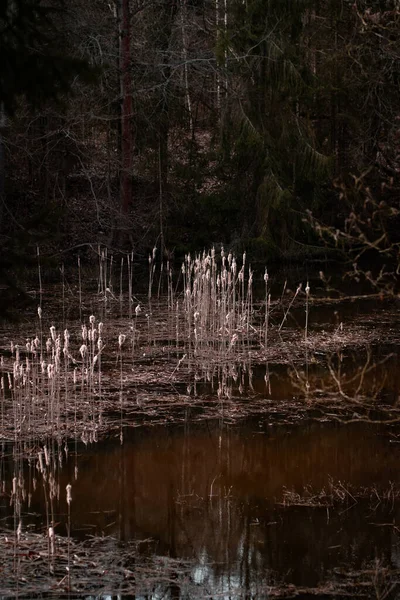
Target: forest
point(266, 125)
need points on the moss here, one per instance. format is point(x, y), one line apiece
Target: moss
point(260, 249)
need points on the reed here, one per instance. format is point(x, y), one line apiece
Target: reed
point(152, 269)
point(209, 318)
point(39, 276)
point(121, 341)
point(51, 382)
point(130, 275)
point(80, 288)
point(69, 500)
point(217, 304)
point(307, 290)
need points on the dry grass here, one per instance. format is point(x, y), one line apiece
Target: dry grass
point(207, 330)
point(97, 566)
point(103, 566)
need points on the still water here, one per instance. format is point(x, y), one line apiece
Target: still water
point(248, 504)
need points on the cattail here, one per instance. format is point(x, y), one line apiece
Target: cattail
point(53, 333)
point(69, 497)
point(19, 531)
point(233, 340)
point(52, 540)
point(66, 343)
point(121, 339)
point(83, 350)
point(39, 310)
point(92, 319)
point(41, 465)
point(306, 325)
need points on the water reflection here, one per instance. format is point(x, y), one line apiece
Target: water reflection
point(218, 495)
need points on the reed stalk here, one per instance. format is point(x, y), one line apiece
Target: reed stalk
point(40, 277)
point(307, 290)
point(80, 288)
point(121, 340)
point(152, 268)
point(69, 500)
point(286, 312)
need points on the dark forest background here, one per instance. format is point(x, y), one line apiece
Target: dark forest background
point(258, 124)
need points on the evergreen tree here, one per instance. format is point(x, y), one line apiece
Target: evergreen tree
point(33, 60)
point(268, 134)
point(35, 69)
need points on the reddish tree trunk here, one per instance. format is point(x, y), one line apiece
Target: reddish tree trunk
point(126, 126)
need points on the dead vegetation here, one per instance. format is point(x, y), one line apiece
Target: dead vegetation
point(207, 348)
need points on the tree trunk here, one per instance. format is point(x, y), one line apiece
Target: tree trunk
point(168, 17)
point(2, 164)
point(126, 109)
point(185, 63)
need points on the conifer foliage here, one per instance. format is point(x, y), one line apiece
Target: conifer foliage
point(208, 121)
point(33, 60)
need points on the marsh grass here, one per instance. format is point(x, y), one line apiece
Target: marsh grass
point(339, 493)
point(207, 330)
point(53, 383)
point(81, 380)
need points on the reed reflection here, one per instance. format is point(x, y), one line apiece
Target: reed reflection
point(248, 504)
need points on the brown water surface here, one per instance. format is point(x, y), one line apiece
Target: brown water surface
point(245, 503)
point(248, 504)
